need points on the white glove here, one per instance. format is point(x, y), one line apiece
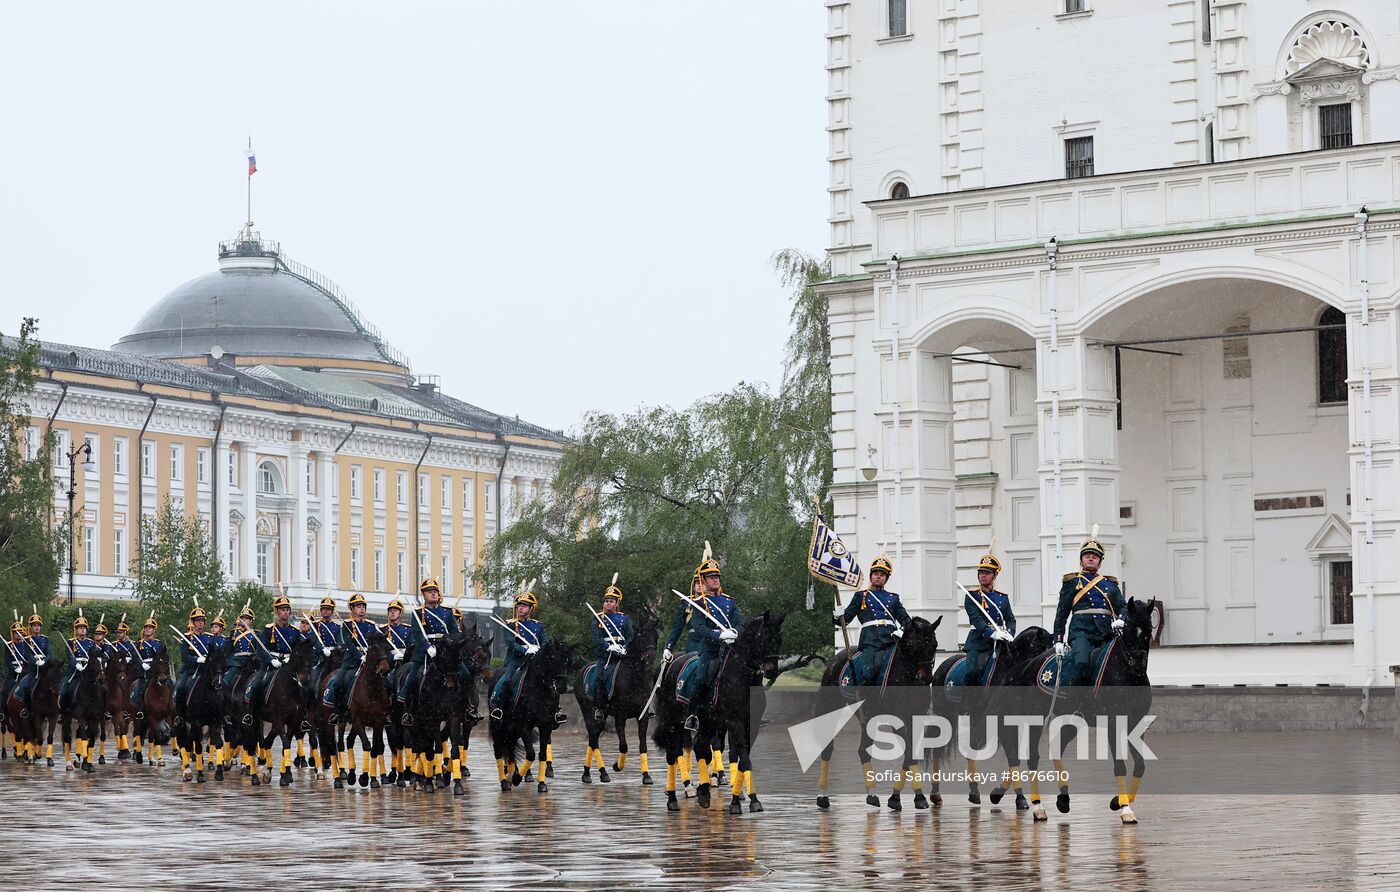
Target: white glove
point(837, 616)
point(897, 633)
point(728, 636)
point(200, 659)
point(531, 649)
point(146, 664)
point(1001, 635)
point(18, 667)
point(1059, 648)
point(398, 655)
point(362, 656)
point(326, 651)
point(666, 655)
point(1116, 625)
point(432, 650)
point(616, 649)
point(276, 663)
point(39, 661)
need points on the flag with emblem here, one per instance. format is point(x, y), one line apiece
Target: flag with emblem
point(828, 559)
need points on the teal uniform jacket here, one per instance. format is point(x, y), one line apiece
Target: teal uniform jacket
point(354, 640)
point(998, 606)
point(678, 629)
point(437, 621)
point(280, 640)
point(701, 632)
point(1091, 613)
point(878, 612)
point(619, 630)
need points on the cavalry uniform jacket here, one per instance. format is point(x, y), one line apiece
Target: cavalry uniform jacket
point(353, 639)
point(437, 622)
point(998, 607)
point(613, 628)
point(14, 658)
point(242, 648)
point(279, 639)
point(880, 613)
point(399, 635)
point(127, 649)
point(700, 630)
point(529, 629)
point(189, 657)
point(149, 650)
point(39, 643)
point(1089, 604)
point(82, 647)
point(325, 633)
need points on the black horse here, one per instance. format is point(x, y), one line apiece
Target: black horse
point(282, 714)
point(475, 650)
point(364, 719)
point(82, 720)
point(631, 688)
point(436, 700)
point(1122, 689)
point(201, 713)
point(531, 717)
point(1008, 659)
point(911, 666)
point(754, 655)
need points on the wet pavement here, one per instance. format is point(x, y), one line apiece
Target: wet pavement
point(144, 824)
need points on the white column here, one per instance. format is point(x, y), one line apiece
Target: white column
point(296, 486)
point(284, 547)
point(221, 503)
point(328, 520)
point(248, 535)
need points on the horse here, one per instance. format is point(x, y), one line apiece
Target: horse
point(971, 701)
point(152, 728)
point(630, 691)
point(530, 713)
point(753, 655)
point(1122, 688)
point(283, 712)
point(366, 716)
point(118, 706)
point(203, 712)
point(84, 716)
point(910, 666)
point(427, 753)
point(475, 648)
point(34, 732)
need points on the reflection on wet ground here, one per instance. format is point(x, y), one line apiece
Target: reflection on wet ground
point(620, 836)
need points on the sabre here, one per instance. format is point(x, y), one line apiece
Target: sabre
point(719, 623)
point(187, 641)
point(507, 627)
point(607, 627)
point(314, 625)
point(975, 603)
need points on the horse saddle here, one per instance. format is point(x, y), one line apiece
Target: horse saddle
point(590, 677)
point(687, 676)
point(1050, 668)
point(961, 673)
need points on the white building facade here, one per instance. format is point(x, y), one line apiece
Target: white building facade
point(1147, 279)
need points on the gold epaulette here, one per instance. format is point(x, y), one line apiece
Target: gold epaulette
point(1070, 576)
point(1112, 579)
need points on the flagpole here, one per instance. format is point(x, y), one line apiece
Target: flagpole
point(250, 189)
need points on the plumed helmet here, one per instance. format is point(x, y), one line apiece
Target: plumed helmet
point(80, 621)
point(246, 613)
point(357, 598)
point(328, 603)
point(196, 613)
point(150, 623)
point(281, 601)
point(989, 562)
point(882, 563)
point(430, 583)
point(17, 626)
point(100, 629)
point(396, 603)
point(527, 598)
point(1091, 546)
point(612, 591)
point(35, 618)
point(219, 621)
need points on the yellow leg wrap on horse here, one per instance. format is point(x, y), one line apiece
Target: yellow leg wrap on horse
point(160, 752)
point(364, 763)
point(670, 777)
point(137, 743)
point(916, 779)
point(1133, 784)
point(748, 782)
point(1122, 783)
point(587, 756)
point(717, 762)
point(500, 769)
point(683, 765)
point(456, 769)
point(184, 758)
point(899, 784)
point(549, 752)
point(526, 769)
point(101, 747)
point(972, 770)
point(869, 772)
point(301, 747)
point(824, 777)
point(1035, 788)
point(67, 753)
point(598, 754)
point(1060, 771)
point(704, 773)
point(644, 764)
point(199, 761)
point(736, 782)
point(621, 762)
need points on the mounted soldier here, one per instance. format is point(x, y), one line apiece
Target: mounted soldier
point(216, 631)
point(1092, 605)
point(14, 661)
point(613, 633)
point(194, 650)
point(432, 622)
point(355, 642)
point(528, 637)
point(82, 648)
point(883, 620)
point(989, 611)
point(104, 644)
point(397, 631)
point(36, 656)
point(147, 650)
point(712, 622)
point(326, 631)
point(242, 648)
point(278, 638)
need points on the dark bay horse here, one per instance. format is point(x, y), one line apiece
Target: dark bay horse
point(152, 729)
point(910, 667)
point(82, 722)
point(34, 732)
point(754, 655)
point(530, 716)
point(284, 710)
point(631, 688)
point(366, 716)
point(475, 650)
point(437, 699)
point(202, 713)
point(116, 679)
point(1121, 688)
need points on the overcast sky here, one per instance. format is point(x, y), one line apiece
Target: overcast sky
point(555, 206)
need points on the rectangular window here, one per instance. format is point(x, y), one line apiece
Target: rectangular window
point(446, 493)
point(1334, 125)
point(379, 484)
point(898, 17)
point(1205, 21)
point(232, 468)
point(355, 482)
point(1079, 157)
point(89, 550)
point(422, 490)
point(355, 566)
point(378, 570)
point(310, 477)
point(446, 578)
point(31, 444)
point(311, 561)
point(148, 461)
point(1340, 593)
point(94, 450)
point(119, 551)
point(60, 449)
point(266, 481)
point(422, 567)
point(202, 465)
point(263, 576)
point(177, 456)
point(468, 500)
point(232, 556)
point(1073, 6)
point(119, 455)
point(402, 569)
point(402, 484)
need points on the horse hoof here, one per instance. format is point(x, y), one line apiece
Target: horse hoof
point(1062, 803)
point(1128, 816)
point(974, 797)
point(187, 775)
point(603, 776)
point(872, 799)
point(72, 766)
point(374, 783)
point(458, 789)
point(137, 758)
point(87, 766)
point(219, 773)
point(543, 787)
point(364, 780)
point(920, 801)
point(736, 806)
point(285, 780)
point(429, 788)
point(467, 772)
point(1021, 802)
point(549, 770)
point(123, 755)
point(339, 784)
point(755, 805)
point(1113, 804)
point(646, 779)
point(257, 782)
point(299, 762)
point(515, 779)
point(702, 796)
point(894, 803)
point(101, 759)
point(996, 794)
point(1039, 813)
point(823, 802)
point(587, 776)
point(199, 777)
point(160, 763)
point(617, 767)
point(505, 786)
point(671, 803)
point(721, 780)
point(50, 761)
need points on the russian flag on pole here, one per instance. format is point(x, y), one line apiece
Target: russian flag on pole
point(828, 559)
point(252, 162)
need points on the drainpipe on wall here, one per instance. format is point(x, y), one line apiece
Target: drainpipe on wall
point(1052, 248)
point(416, 496)
point(140, 478)
point(1368, 500)
point(214, 481)
point(896, 456)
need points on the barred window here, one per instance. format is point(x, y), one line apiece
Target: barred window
point(1332, 357)
point(1334, 124)
point(1079, 157)
point(1339, 593)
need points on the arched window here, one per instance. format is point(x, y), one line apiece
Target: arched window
point(267, 478)
point(1332, 357)
point(899, 190)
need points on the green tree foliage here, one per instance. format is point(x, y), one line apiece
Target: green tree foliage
point(29, 542)
point(177, 567)
point(639, 493)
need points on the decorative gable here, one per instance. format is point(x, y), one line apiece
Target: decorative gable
point(1333, 537)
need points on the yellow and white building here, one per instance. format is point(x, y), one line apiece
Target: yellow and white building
point(259, 398)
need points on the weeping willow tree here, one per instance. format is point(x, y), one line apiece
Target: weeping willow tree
point(638, 494)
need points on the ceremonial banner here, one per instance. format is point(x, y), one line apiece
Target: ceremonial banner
point(828, 559)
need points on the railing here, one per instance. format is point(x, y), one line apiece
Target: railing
point(338, 297)
point(256, 246)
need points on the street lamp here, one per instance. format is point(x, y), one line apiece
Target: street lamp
point(869, 471)
point(84, 450)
